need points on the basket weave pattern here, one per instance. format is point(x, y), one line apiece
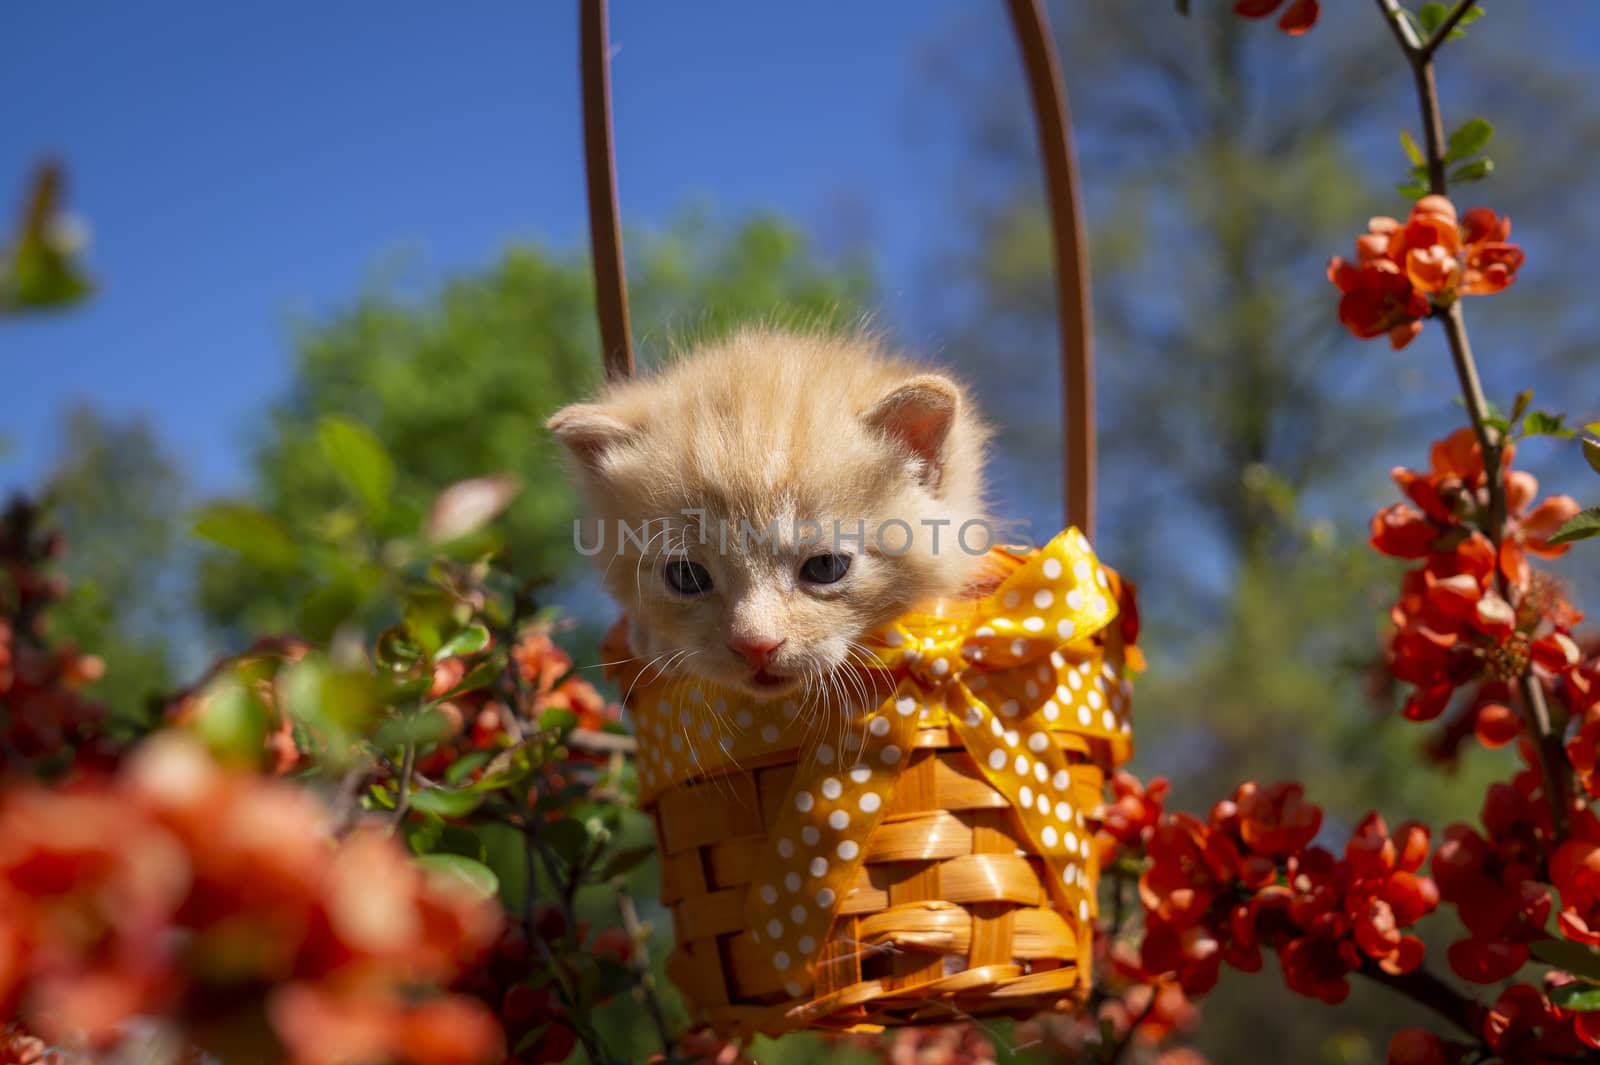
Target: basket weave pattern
point(960, 899)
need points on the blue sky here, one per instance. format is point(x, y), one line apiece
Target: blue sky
point(240, 165)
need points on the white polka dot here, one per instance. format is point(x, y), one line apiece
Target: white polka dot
point(804, 802)
point(1065, 628)
point(743, 719)
point(696, 695)
point(1051, 710)
point(1052, 568)
point(1049, 835)
point(1063, 812)
point(1044, 805)
point(1012, 599)
point(769, 894)
point(1033, 624)
point(810, 836)
point(791, 882)
point(1061, 779)
point(1083, 909)
point(780, 961)
point(973, 717)
point(677, 742)
point(838, 820)
point(769, 733)
point(869, 802)
point(1075, 599)
point(806, 944)
point(997, 759)
point(890, 754)
point(825, 754)
point(860, 774)
point(825, 898)
point(831, 788)
point(878, 725)
point(1072, 841)
point(819, 867)
point(774, 928)
point(894, 638)
point(1038, 742)
point(1012, 737)
point(705, 730)
point(1043, 598)
point(1084, 717)
point(1109, 720)
point(792, 989)
point(1022, 765)
point(847, 849)
point(1100, 579)
point(940, 667)
point(1075, 680)
point(1070, 876)
point(1080, 570)
point(791, 709)
point(979, 682)
point(1032, 688)
point(1094, 699)
point(905, 706)
point(1019, 648)
point(1040, 772)
point(1027, 795)
point(797, 915)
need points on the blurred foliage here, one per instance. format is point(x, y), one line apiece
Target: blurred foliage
point(39, 269)
point(118, 497)
point(458, 384)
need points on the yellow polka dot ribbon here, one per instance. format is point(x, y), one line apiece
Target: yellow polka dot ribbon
point(1001, 672)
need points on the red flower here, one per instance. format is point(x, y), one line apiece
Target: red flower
point(1276, 821)
point(1296, 19)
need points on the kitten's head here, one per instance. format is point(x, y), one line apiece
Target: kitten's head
point(761, 504)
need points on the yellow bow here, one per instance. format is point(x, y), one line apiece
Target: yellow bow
point(1015, 676)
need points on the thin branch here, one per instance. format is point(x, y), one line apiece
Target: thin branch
point(1447, 27)
point(641, 966)
point(402, 800)
point(1398, 22)
point(1426, 989)
point(599, 742)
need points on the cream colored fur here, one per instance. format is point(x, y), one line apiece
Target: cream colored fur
point(768, 426)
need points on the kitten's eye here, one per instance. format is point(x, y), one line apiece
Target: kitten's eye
point(825, 569)
point(688, 578)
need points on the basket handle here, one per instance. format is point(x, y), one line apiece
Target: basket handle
point(1049, 98)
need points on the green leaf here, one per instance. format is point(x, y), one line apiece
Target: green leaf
point(1582, 997)
point(480, 676)
point(1591, 445)
point(1470, 139)
point(445, 802)
point(558, 720)
point(359, 460)
point(462, 767)
point(624, 860)
point(1575, 958)
point(1412, 190)
point(231, 720)
point(569, 839)
point(468, 641)
point(1581, 526)
point(1432, 16)
point(1543, 423)
point(1412, 151)
point(256, 535)
point(477, 878)
point(1520, 405)
point(41, 271)
point(1476, 170)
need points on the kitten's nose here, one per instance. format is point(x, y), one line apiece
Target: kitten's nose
point(755, 649)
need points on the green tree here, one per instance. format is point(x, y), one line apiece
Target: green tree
point(458, 385)
point(117, 497)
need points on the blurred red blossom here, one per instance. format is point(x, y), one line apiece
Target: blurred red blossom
point(1298, 16)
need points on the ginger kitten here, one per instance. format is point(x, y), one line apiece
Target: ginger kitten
point(764, 502)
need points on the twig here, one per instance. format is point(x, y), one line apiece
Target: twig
point(601, 742)
point(641, 966)
point(1447, 27)
point(402, 799)
point(1426, 989)
point(1420, 56)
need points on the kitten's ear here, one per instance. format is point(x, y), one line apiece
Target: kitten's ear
point(587, 431)
point(917, 416)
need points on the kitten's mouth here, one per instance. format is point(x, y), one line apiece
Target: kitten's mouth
point(765, 681)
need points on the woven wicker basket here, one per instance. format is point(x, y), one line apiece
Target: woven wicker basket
point(952, 910)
